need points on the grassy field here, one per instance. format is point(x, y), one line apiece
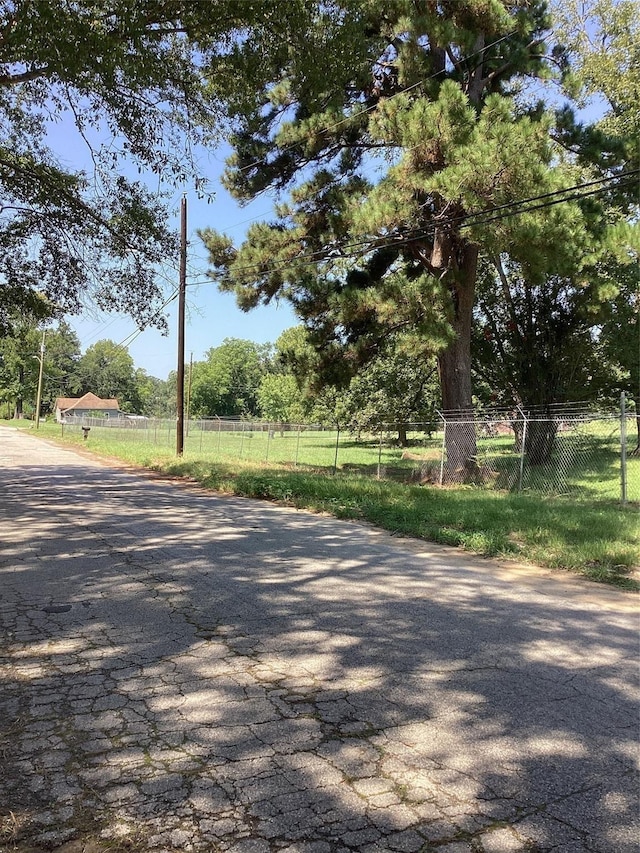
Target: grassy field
point(600, 540)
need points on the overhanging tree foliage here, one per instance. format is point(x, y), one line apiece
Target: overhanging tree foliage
point(124, 76)
point(391, 124)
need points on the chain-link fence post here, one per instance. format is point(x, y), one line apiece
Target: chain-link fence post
point(298, 445)
point(623, 447)
point(444, 443)
point(380, 454)
point(335, 460)
point(523, 440)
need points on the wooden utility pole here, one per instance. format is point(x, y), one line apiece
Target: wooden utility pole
point(39, 395)
point(182, 292)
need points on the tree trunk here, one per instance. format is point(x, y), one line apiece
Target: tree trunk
point(18, 408)
point(454, 365)
point(518, 432)
point(541, 436)
point(402, 435)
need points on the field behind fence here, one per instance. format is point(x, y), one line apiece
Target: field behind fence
point(578, 454)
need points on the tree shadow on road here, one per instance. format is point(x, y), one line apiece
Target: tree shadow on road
point(199, 672)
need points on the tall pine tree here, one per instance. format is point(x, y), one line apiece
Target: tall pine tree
point(390, 125)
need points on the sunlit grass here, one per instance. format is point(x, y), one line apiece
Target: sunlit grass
point(598, 539)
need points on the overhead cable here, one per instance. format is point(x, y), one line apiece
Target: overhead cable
point(473, 218)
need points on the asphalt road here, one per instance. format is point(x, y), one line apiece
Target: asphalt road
point(184, 671)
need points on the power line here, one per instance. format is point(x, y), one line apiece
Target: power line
point(159, 274)
point(551, 194)
point(100, 330)
point(493, 214)
point(463, 221)
point(126, 342)
point(575, 197)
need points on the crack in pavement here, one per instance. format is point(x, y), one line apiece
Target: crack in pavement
point(190, 672)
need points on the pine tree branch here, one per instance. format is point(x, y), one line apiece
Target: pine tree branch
point(498, 72)
point(506, 292)
point(455, 61)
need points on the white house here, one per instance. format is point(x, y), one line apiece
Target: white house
point(88, 406)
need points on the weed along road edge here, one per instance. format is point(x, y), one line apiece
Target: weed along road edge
point(184, 671)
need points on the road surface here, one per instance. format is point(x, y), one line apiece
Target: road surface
point(185, 671)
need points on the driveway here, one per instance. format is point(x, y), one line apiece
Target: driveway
point(184, 671)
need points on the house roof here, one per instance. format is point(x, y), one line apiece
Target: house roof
point(89, 401)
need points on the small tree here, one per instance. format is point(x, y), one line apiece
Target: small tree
point(279, 399)
point(106, 369)
point(399, 386)
point(620, 335)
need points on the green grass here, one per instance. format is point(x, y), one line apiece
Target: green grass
point(600, 540)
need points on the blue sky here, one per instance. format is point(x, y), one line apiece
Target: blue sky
point(211, 316)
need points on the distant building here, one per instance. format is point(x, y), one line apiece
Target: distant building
point(88, 406)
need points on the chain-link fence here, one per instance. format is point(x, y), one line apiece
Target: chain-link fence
point(568, 451)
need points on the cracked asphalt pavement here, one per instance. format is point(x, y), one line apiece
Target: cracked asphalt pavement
point(186, 671)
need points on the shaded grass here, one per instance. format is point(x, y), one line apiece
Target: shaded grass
point(599, 540)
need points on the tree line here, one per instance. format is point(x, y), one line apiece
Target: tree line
point(105, 369)
point(237, 379)
point(281, 382)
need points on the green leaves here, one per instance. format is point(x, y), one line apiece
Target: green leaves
point(602, 40)
point(227, 382)
point(127, 78)
point(20, 351)
point(106, 369)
